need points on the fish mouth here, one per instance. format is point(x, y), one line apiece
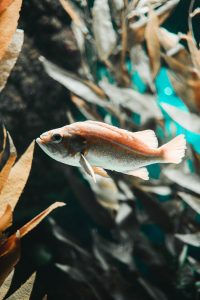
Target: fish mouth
point(39, 141)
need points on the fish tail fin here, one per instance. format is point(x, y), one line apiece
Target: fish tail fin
point(174, 151)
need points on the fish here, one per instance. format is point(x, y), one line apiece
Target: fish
point(96, 147)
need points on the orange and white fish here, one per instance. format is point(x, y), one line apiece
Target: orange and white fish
point(96, 146)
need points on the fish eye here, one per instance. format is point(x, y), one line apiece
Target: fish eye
point(57, 138)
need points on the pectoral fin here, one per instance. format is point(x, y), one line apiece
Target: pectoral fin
point(100, 171)
point(87, 167)
point(140, 173)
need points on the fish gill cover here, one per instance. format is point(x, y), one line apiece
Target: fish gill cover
point(119, 238)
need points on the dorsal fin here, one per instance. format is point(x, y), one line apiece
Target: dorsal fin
point(148, 137)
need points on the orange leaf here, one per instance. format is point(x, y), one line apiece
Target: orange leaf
point(35, 221)
point(4, 143)
point(6, 219)
point(17, 179)
point(4, 4)
point(10, 162)
point(9, 256)
point(10, 56)
point(8, 24)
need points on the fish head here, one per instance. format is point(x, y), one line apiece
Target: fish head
point(55, 144)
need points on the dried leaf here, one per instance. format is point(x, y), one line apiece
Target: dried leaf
point(191, 200)
point(35, 221)
point(118, 4)
point(4, 4)
point(6, 285)
point(8, 165)
point(85, 109)
point(144, 105)
point(158, 190)
point(17, 179)
point(153, 44)
point(169, 41)
point(141, 64)
point(194, 51)
point(185, 119)
point(9, 256)
point(195, 12)
point(25, 290)
point(188, 181)
point(106, 191)
point(11, 54)
point(137, 29)
point(104, 32)
point(6, 219)
point(73, 83)
point(192, 239)
point(8, 25)
point(74, 14)
point(4, 143)
point(188, 91)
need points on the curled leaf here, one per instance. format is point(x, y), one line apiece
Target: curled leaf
point(8, 24)
point(17, 179)
point(35, 221)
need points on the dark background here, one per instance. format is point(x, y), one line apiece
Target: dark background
point(32, 103)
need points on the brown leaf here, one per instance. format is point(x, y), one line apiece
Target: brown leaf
point(4, 4)
point(153, 44)
point(6, 285)
point(194, 51)
point(85, 109)
point(8, 24)
point(35, 221)
point(9, 256)
point(8, 165)
point(9, 59)
point(187, 90)
point(6, 219)
point(24, 292)
point(73, 13)
point(4, 143)
point(137, 29)
point(17, 179)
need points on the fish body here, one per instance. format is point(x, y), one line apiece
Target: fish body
point(98, 146)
